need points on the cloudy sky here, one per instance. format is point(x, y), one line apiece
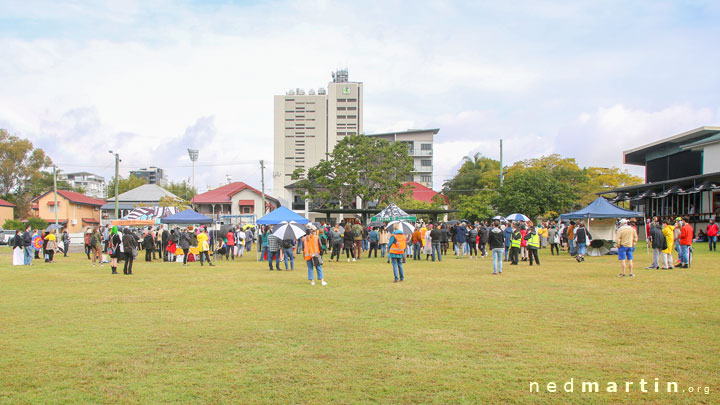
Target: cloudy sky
point(149, 79)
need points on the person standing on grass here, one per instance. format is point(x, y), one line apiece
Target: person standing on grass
point(483, 237)
point(357, 240)
point(203, 240)
point(310, 245)
point(288, 254)
point(416, 240)
point(114, 242)
point(507, 234)
point(335, 243)
point(581, 240)
point(533, 245)
point(230, 250)
point(374, 238)
point(626, 240)
point(129, 244)
point(712, 231)
point(571, 238)
point(445, 241)
point(472, 242)
point(66, 242)
point(685, 241)
point(349, 242)
point(669, 233)
point(249, 238)
point(148, 245)
point(658, 244)
point(436, 237)
point(397, 243)
point(184, 243)
point(460, 240)
point(50, 247)
point(553, 240)
point(515, 243)
point(96, 245)
point(274, 246)
point(496, 239)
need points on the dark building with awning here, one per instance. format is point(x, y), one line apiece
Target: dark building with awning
point(682, 176)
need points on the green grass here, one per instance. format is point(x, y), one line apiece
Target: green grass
point(451, 332)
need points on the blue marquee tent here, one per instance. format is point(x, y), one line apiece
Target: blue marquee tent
point(187, 217)
point(601, 208)
point(281, 214)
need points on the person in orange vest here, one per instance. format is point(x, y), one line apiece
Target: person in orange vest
point(397, 244)
point(310, 246)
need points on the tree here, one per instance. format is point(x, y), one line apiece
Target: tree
point(124, 185)
point(602, 179)
point(168, 201)
point(533, 192)
point(476, 173)
point(20, 165)
point(475, 207)
point(359, 166)
point(182, 189)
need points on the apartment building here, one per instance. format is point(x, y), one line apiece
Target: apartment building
point(153, 175)
point(420, 147)
point(308, 125)
point(93, 184)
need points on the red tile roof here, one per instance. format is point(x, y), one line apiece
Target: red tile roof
point(76, 198)
point(4, 203)
point(224, 194)
point(422, 193)
point(90, 221)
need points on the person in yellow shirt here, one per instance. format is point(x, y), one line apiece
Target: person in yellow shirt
point(669, 232)
point(50, 247)
point(204, 246)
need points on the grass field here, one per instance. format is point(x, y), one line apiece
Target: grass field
point(450, 333)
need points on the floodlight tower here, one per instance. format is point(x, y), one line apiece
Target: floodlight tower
point(117, 179)
point(194, 157)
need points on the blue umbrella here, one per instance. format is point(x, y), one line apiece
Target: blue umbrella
point(517, 217)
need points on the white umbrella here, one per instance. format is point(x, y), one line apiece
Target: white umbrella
point(405, 227)
point(289, 230)
point(517, 217)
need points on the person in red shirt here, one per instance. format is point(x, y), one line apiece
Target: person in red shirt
point(712, 234)
point(230, 250)
point(685, 241)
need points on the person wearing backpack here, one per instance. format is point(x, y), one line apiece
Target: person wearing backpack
point(397, 243)
point(374, 238)
point(581, 238)
point(472, 242)
point(95, 245)
point(287, 247)
point(335, 243)
point(357, 240)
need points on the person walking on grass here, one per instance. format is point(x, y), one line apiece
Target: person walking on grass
point(626, 240)
point(310, 245)
point(533, 245)
point(416, 240)
point(274, 245)
point(129, 246)
point(397, 243)
point(685, 242)
point(553, 239)
point(288, 254)
point(204, 247)
point(114, 242)
point(658, 242)
point(581, 239)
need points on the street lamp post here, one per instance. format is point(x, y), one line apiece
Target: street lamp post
point(117, 183)
point(193, 157)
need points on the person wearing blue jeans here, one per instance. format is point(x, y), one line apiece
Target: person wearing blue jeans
point(436, 251)
point(309, 245)
point(497, 255)
point(289, 255)
point(397, 244)
point(496, 240)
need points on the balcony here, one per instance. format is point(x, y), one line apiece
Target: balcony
point(423, 169)
point(416, 152)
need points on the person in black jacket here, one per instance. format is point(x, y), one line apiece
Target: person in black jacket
point(484, 235)
point(496, 238)
point(27, 245)
point(658, 244)
point(436, 237)
point(164, 239)
point(129, 245)
point(149, 245)
point(113, 246)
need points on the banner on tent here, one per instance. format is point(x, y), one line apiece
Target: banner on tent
point(408, 218)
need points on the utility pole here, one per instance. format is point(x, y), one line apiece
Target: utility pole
point(117, 183)
point(262, 183)
point(55, 192)
point(501, 164)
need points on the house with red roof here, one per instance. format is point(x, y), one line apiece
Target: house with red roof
point(422, 193)
point(7, 211)
point(225, 204)
point(74, 210)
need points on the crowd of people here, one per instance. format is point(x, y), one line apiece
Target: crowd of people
point(506, 241)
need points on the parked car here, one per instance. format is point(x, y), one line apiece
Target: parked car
point(6, 237)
